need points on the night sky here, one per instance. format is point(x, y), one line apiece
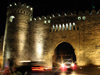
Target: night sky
point(48, 7)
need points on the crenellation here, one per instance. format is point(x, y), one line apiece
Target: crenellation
point(86, 12)
point(98, 12)
point(93, 12)
point(20, 8)
point(80, 13)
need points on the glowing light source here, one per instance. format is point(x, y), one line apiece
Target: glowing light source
point(79, 18)
point(59, 26)
point(53, 15)
point(15, 4)
point(63, 67)
point(11, 18)
point(34, 18)
point(10, 5)
point(31, 9)
point(70, 26)
point(39, 43)
point(66, 26)
point(25, 61)
point(56, 26)
point(49, 21)
point(45, 21)
point(84, 17)
point(45, 18)
point(39, 49)
point(65, 14)
point(72, 64)
point(39, 18)
point(27, 7)
point(63, 26)
point(53, 27)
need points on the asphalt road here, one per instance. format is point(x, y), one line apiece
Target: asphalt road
point(80, 71)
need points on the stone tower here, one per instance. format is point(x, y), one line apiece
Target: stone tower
point(39, 30)
point(16, 43)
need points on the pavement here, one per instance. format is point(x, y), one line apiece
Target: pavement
point(90, 70)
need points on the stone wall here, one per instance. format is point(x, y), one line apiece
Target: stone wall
point(27, 39)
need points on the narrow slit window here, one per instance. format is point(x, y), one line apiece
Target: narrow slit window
point(66, 26)
point(70, 26)
point(53, 27)
point(63, 26)
point(59, 26)
point(77, 27)
point(73, 26)
point(56, 27)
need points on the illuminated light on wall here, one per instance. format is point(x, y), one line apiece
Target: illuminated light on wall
point(50, 17)
point(39, 18)
point(59, 26)
point(8, 54)
point(15, 4)
point(70, 26)
point(39, 43)
point(84, 17)
point(27, 7)
point(31, 9)
point(25, 61)
point(45, 21)
point(21, 42)
point(73, 26)
point(31, 19)
point(65, 14)
point(66, 26)
point(34, 18)
point(11, 18)
point(53, 27)
point(49, 21)
point(39, 49)
point(56, 27)
point(59, 15)
point(79, 18)
point(53, 15)
point(63, 27)
point(10, 5)
point(45, 18)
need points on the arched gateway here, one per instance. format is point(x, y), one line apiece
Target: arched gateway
point(62, 52)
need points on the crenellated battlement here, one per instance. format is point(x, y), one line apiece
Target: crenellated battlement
point(81, 15)
point(20, 8)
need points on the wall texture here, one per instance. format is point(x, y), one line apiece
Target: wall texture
point(35, 39)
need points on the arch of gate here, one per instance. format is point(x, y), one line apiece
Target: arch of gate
point(64, 51)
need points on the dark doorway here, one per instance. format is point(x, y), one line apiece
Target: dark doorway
point(64, 51)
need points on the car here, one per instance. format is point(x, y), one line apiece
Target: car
point(64, 64)
point(68, 64)
point(36, 66)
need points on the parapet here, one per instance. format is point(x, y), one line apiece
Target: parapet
point(20, 8)
point(69, 14)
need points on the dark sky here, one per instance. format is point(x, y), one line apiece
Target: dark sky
point(47, 7)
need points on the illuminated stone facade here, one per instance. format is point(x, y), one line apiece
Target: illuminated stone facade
point(35, 39)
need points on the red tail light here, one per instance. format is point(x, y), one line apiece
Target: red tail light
point(63, 67)
point(73, 66)
point(37, 69)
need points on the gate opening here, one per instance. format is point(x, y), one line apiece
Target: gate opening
point(63, 52)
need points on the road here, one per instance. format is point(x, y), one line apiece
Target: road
point(80, 71)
